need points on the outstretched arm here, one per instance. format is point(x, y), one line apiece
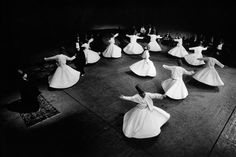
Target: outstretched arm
point(192, 48)
point(50, 58)
point(176, 40)
point(139, 37)
point(188, 72)
point(70, 58)
point(219, 63)
point(116, 35)
point(130, 98)
point(159, 37)
point(167, 67)
point(204, 48)
point(90, 40)
point(128, 35)
point(156, 95)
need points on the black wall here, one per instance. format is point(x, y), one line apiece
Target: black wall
point(32, 26)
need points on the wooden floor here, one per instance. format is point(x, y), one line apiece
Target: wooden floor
point(91, 114)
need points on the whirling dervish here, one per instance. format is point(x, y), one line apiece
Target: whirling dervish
point(174, 87)
point(144, 120)
point(145, 67)
point(90, 55)
point(192, 59)
point(154, 46)
point(112, 51)
point(64, 76)
point(178, 51)
point(209, 75)
point(133, 48)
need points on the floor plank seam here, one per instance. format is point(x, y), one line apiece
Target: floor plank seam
point(209, 154)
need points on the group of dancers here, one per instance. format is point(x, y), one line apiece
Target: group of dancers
point(145, 119)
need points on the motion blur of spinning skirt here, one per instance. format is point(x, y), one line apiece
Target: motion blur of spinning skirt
point(145, 67)
point(145, 119)
point(133, 48)
point(112, 51)
point(209, 75)
point(174, 87)
point(64, 76)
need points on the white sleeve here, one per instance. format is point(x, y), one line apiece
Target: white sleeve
point(155, 95)
point(131, 98)
point(204, 48)
point(192, 48)
point(139, 37)
point(116, 35)
point(70, 58)
point(188, 72)
point(167, 67)
point(128, 35)
point(50, 58)
point(219, 63)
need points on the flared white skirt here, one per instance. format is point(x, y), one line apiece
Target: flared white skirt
point(91, 56)
point(192, 59)
point(154, 46)
point(144, 123)
point(133, 48)
point(209, 76)
point(64, 77)
point(178, 51)
point(175, 89)
point(144, 68)
point(112, 51)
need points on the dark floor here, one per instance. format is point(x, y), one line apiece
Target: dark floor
point(91, 114)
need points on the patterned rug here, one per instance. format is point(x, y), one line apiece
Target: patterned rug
point(46, 110)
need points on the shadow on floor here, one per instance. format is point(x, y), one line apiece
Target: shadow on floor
point(20, 107)
point(140, 77)
point(141, 143)
point(202, 86)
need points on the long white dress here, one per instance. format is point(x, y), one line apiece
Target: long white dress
point(64, 76)
point(192, 59)
point(174, 87)
point(209, 75)
point(90, 55)
point(133, 47)
point(112, 51)
point(178, 51)
point(144, 120)
point(145, 67)
point(154, 46)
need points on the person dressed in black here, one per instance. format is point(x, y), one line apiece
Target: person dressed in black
point(80, 60)
point(29, 92)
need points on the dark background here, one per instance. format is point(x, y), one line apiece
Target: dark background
point(33, 26)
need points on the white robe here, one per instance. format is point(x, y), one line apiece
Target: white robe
point(64, 76)
point(174, 87)
point(133, 47)
point(178, 51)
point(90, 55)
point(209, 75)
point(144, 120)
point(192, 59)
point(112, 51)
point(154, 46)
point(144, 67)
